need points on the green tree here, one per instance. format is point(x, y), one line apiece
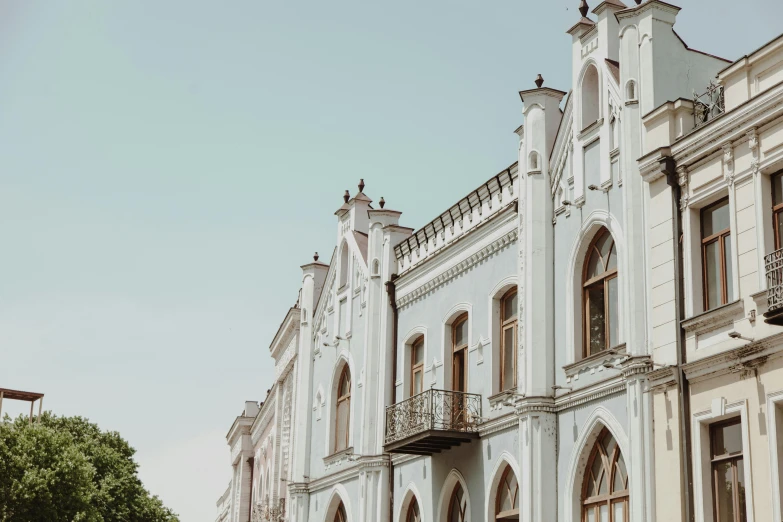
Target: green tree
point(65, 469)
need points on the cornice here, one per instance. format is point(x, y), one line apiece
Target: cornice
point(458, 269)
point(715, 318)
point(745, 358)
point(595, 392)
point(337, 477)
point(502, 423)
point(650, 164)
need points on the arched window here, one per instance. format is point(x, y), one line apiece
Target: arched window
point(413, 512)
point(600, 295)
point(507, 499)
point(605, 489)
point(417, 366)
point(508, 340)
point(343, 411)
point(458, 505)
point(459, 354)
point(339, 515)
point(344, 262)
point(590, 97)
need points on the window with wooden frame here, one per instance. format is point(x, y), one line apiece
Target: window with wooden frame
point(458, 505)
point(728, 472)
point(507, 499)
point(508, 340)
point(417, 366)
point(605, 493)
point(459, 354)
point(339, 515)
point(343, 410)
point(716, 254)
point(414, 515)
point(600, 298)
point(777, 209)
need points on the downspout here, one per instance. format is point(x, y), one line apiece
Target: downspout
point(392, 293)
point(251, 461)
point(668, 167)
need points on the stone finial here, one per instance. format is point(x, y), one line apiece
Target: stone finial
point(539, 81)
point(638, 2)
point(382, 202)
point(583, 8)
point(346, 196)
point(315, 256)
point(361, 185)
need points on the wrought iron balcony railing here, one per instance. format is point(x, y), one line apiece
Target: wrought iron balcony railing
point(438, 410)
point(774, 265)
point(708, 105)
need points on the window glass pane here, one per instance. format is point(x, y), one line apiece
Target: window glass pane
point(779, 226)
point(591, 514)
point(508, 357)
point(418, 352)
point(604, 245)
point(461, 333)
point(343, 410)
point(596, 320)
point(715, 219)
point(729, 276)
point(618, 509)
point(741, 510)
point(604, 513)
point(595, 265)
point(597, 470)
point(510, 307)
point(613, 319)
point(713, 274)
point(621, 469)
point(724, 491)
point(417, 382)
point(777, 189)
point(727, 439)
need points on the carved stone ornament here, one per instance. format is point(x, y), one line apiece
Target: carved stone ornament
point(728, 162)
point(682, 180)
point(753, 144)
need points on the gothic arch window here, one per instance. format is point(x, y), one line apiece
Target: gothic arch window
point(508, 340)
point(507, 498)
point(590, 99)
point(600, 295)
point(605, 489)
point(343, 410)
point(414, 514)
point(339, 515)
point(458, 505)
point(344, 264)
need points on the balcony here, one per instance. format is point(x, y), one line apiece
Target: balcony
point(432, 421)
point(774, 265)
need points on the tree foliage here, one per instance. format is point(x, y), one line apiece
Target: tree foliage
point(65, 469)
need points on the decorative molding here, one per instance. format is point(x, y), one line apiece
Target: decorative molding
point(460, 268)
point(505, 422)
point(728, 164)
point(594, 363)
point(604, 389)
point(682, 180)
point(713, 319)
point(745, 359)
point(339, 457)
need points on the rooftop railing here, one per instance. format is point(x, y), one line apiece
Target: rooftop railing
point(708, 105)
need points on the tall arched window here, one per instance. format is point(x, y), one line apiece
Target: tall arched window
point(417, 366)
point(600, 295)
point(459, 354)
point(508, 340)
point(458, 505)
point(605, 488)
point(507, 499)
point(590, 97)
point(343, 411)
point(339, 515)
point(414, 515)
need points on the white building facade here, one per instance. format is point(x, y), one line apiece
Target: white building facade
point(592, 334)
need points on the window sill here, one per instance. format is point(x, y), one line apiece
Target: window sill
point(590, 128)
point(338, 457)
point(713, 319)
point(594, 362)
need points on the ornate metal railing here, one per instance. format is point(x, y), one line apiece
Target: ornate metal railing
point(269, 511)
point(708, 105)
point(433, 410)
point(774, 265)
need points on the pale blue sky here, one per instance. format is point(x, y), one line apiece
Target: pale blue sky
point(166, 167)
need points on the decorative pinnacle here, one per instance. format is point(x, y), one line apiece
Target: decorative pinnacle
point(382, 202)
point(361, 185)
point(638, 2)
point(315, 257)
point(583, 8)
point(346, 196)
point(539, 81)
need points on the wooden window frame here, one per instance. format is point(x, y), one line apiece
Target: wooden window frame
point(411, 515)
point(462, 512)
point(731, 458)
point(719, 237)
point(418, 344)
point(340, 515)
point(506, 324)
point(345, 373)
point(456, 349)
point(611, 497)
point(588, 284)
point(502, 515)
point(777, 209)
